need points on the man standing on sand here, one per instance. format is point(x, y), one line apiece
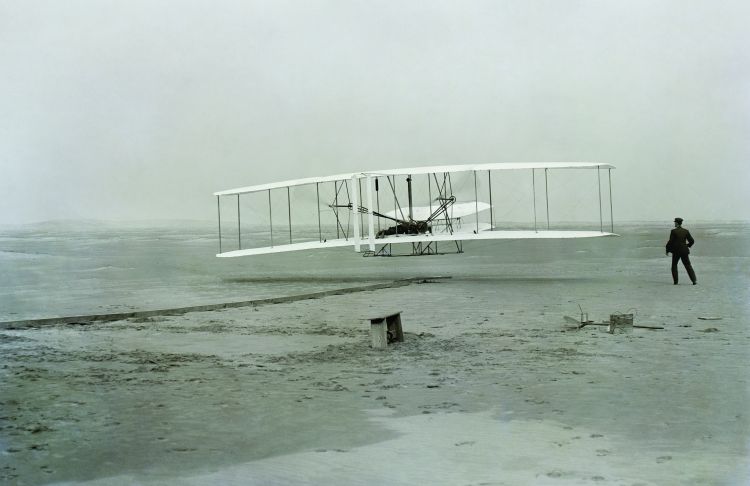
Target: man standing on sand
point(679, 245)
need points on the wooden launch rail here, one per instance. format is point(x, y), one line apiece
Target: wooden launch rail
point(88, 319)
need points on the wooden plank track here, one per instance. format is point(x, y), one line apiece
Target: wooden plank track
point(88, 319)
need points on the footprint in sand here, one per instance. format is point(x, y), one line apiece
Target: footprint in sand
point(558, 474)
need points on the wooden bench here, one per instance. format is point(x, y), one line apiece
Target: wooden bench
point(385, 330)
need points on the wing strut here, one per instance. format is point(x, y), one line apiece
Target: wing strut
point(408, 188)
point(356, 223)
point(533, 192)
point(429, 192)
point(370, 217)
point(377, 196)
point(289, 206)
point(442, 196)
point(611, 214)
point(361, 222)
point(335, 210)
point(270, 216)
point(218, 208)
point(317, 198)
point(599, 182)
point(489, 181)
point(476, 200)
point(339, 227)
point(546, 196)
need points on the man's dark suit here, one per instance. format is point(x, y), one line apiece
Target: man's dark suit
point(679, 245)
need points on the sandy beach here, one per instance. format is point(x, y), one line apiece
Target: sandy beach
point(203, 204)
point(491, 386)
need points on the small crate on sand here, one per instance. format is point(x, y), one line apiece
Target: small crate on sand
point(620, 323)
point(385, 330)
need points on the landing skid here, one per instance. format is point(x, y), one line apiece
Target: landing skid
point(417, 249)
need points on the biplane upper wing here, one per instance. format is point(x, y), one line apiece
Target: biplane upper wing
point(435, 169)
point(416, 228)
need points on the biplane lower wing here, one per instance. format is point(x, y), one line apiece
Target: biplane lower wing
point(489, 235)
point(424, 239)
point(307, 245)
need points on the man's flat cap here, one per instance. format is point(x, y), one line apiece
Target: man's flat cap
point(678, 220)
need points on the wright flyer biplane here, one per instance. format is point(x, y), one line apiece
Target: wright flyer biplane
point(424, 210)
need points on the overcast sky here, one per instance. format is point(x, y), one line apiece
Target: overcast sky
point(136, 109)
